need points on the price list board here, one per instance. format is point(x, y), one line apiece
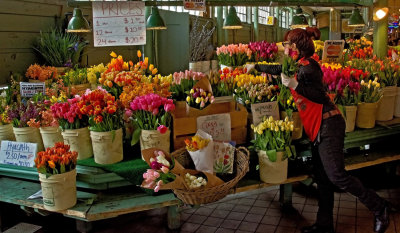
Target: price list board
point(119, 23)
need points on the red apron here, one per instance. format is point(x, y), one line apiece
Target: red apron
point(310, 114)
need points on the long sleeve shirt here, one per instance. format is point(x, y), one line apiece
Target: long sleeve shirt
point(310, 85)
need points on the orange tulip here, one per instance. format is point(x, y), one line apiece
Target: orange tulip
point(139, 54)
point(51, 164)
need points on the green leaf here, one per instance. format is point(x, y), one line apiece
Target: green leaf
point(271, 155)
point(136, 136)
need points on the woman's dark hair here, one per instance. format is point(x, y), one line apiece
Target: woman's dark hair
point(303, 40)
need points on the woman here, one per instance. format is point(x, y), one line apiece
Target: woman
point(325, 127)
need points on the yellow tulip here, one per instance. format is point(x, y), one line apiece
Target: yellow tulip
point(198, 100)
point(139, 54)
point(151, 67)
point(188, 99)
point(191, 91)
point(113, 54)
point(154, 71)
point(276, 128)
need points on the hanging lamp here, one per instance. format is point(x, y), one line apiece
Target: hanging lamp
point(232, 21)
point(78, 23)
point(155, 22)
point(299, 20)
point(356, 20)
point(380, 13)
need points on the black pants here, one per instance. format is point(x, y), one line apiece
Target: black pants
point(329, 171)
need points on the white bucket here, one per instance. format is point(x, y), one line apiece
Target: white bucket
point(351, 114)
point(79, 141)
point(195, 66)
point(397, 103)
point(205, 66)
point(59, 191)
point(386, 105)
point(6, 133)
point(107, 148)
point(154, 139)
point(29, 134)
point(50, 136)
point(273, 172)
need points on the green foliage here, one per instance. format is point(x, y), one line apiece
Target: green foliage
point(58, 48)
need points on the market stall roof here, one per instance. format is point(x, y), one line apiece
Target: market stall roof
point(251, 3)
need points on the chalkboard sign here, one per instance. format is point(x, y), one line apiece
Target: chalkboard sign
point(18, 153)
point(260, 110)
point(117, 23)
point(30, 89)
point(218, 126)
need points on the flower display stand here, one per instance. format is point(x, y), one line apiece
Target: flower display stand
point(184, 126)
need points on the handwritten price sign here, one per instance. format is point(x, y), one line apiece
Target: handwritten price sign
point(18, 153)
point(218, 126)
point(117, 23)
point(260, 110)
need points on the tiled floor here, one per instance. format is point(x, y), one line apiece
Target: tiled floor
point(256, 211)
point(260, 212)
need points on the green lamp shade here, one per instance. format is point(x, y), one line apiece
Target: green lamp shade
point(299, 21)
point(155, 22)
point(78, 23)
point(232, 21)
point(356, 20)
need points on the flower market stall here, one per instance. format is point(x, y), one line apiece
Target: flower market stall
point(182, 138)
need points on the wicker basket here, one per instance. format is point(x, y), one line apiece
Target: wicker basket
point(208, 195)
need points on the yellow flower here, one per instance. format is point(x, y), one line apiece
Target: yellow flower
point(270, 119)
point(151, 67)
point(146, 61)
point(139, 54)
point(113, 54)
point(188, 99)
point(286, 119)
point(191, 91)
point(198, 100)
point(276, 128)
point(154, 71)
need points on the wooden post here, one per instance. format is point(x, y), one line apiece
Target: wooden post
point(174, 217)
point(226, 32)
point(220, 24)
point(381, 33)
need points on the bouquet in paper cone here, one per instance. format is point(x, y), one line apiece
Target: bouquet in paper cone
point(201, 150)
point(163, 172)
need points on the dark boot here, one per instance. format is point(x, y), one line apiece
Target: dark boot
point(382, 220)
point(317, 229)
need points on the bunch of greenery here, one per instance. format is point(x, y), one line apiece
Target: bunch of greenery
point(58, 48)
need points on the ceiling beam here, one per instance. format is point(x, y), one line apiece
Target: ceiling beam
point(75, 3)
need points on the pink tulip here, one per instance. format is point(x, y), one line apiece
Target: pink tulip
point(162, 129)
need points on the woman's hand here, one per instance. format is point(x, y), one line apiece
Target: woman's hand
point(289, 82)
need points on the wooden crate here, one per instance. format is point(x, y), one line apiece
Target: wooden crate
point(185, 126)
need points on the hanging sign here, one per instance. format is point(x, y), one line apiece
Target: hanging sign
point(18, 153)
point(117, 23)
point(218, 126)
point(195, 5)
point(30, 89)
point(333, 51)
point(270, 20)
point(261, 110)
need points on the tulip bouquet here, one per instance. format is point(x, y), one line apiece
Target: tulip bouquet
point(289, 64)
point(159, 174)
point(273, 136)
point(199, 98)
point(45, 118)
point(137, 89)
point(201, 150)
point(56, 160)
point(70, 114)
point(94, 73)
point(247, 79)
point(103, 111)
point(4, 106)
point(286, 101)
point(263, 51)
point(75, 76)
point(256, 93)
point(221, 86)
point(370, 92)
point(150, 112)
point(234, 54)
point(41, 73)
point(182, 82)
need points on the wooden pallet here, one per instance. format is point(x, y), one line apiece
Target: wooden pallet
point(185, 125)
